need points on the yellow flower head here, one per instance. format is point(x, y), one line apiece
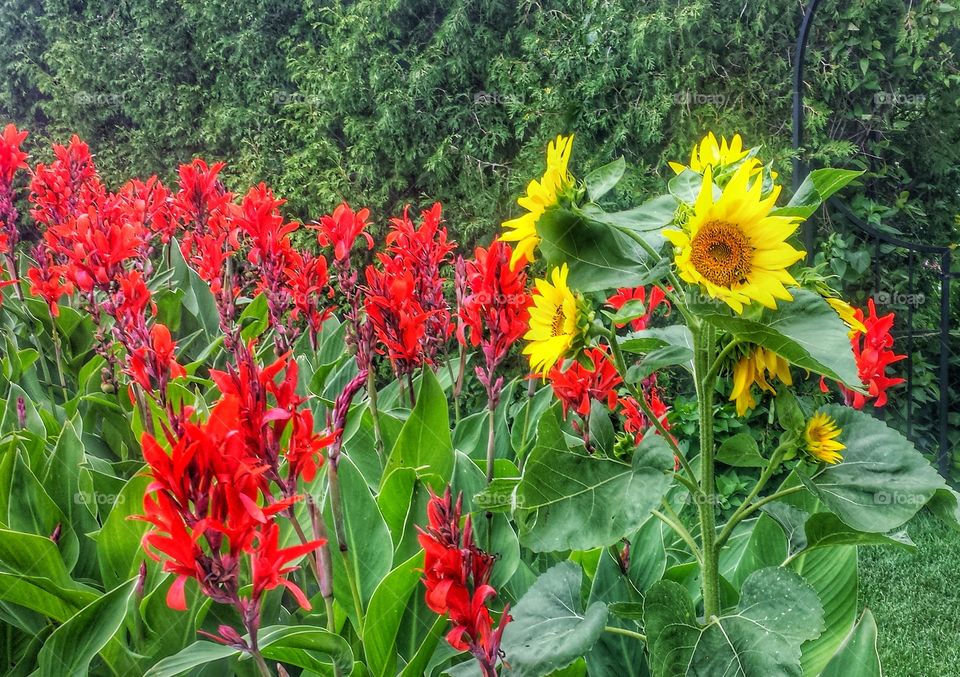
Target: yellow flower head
point(733, 248)
point(847, 313)
point(554, 322)
point(821, 438)
point(754, 368)
point(540, 196)
point(709, 153)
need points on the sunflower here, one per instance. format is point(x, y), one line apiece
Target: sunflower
point(709, 153)
point(848, 314)
point(754, 367)
point(540, 196)
point(733, 248)
point(554, 322)
point(821, 438)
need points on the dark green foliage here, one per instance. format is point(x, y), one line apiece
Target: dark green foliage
point(392, 102)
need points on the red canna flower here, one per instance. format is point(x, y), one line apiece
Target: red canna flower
point(420, 251)
point(873, 351)
point(268, 563)
point(579, 385)
point(65, 187)
point(457, 579)
point(651, 300)
point(201, 201)
point(307, 277)
point(635, 420)
point(341, 229)
point(493, 308)
point(398, 319)
point(155, 363)
point(47, 280)
point(12, 159)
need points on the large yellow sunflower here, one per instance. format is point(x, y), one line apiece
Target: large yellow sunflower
point(733, 248)
point(709, 153)
point(540, 196)
point(753, 368)
point(821, 438)
point(554, 326)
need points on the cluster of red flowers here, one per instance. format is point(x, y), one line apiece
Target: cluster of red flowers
point(12, 160)
point(596, 378)
point(457, 579)
point(493, 309)
point(404, 296)
point(216, 495)
point(873, 351)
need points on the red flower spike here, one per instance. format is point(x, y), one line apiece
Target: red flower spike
point(12, 158)
point(873, 352)
point(456, 576)
point(64, 188)
point(341, 229)
point(268, 563)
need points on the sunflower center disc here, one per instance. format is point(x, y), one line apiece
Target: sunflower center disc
point(559, 318)
point(721, 253)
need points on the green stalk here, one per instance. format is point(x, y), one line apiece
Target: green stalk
point(705, 344)
point(626, 633)
point(740, 513)
point(375, 412)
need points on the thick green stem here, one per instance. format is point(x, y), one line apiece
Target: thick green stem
point(374, 412)
point(705, 343)
point(491, 441)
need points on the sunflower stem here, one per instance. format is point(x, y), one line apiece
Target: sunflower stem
point(705, 346)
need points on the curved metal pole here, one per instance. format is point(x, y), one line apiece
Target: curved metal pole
point(799, 167)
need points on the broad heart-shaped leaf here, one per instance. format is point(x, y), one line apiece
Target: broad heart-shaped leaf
point(805, 331)
point(882, 480)
point(600, 257)
point(385, 613)
point(741, 451)
point(550, 629)
point(818, 185)
point(71, 647)
point(858, 656)
point(424, 442)
point(573, 501)
point(778, 611)
point(601, 180)
point(616, 655)
point(305, 647)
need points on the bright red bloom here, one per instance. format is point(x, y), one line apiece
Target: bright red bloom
point(97, 243)
point(201, 199)
point(11, 157)
point(65, 187)
point(397, 316)
point(269, 560)
point(155, 363)
point(47, 280)
point(457, 579)
point(148, 203)
point(420, 251)
point(635, 421)
point(873, 351)
point(307, 277)
point(341, 229)
point(651, 300)
point(579, 385)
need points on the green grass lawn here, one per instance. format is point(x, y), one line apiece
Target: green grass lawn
point(916, 600)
